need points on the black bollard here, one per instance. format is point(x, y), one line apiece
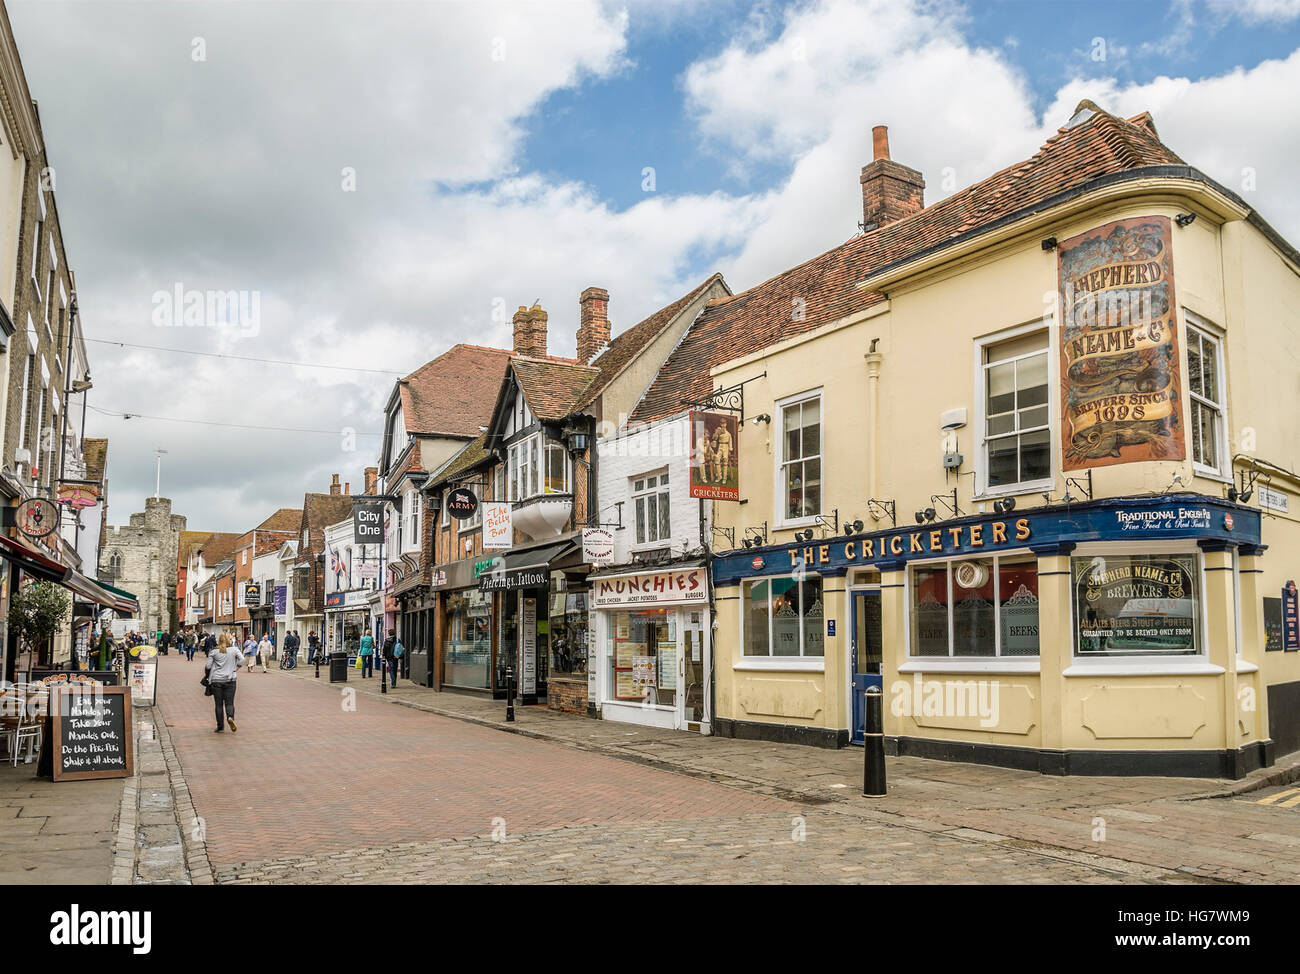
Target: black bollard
point(318, 664)
point(510, 694)
point(873, 772)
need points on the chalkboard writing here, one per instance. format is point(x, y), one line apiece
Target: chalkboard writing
point(91, 733)
point(1272, 624)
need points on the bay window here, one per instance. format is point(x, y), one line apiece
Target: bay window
point(537, 466)
point(783, 617)
point(986, 607)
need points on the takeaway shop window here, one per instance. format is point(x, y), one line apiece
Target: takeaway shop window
point(1136, 605)
point(1016, 416)
point(783, 617)
point(984, 607)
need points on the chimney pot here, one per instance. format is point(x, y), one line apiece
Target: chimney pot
point(880, 142)
point(347, 488)
point(334, 484)
point(530, 331)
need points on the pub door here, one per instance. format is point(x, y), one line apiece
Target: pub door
point(865, 657)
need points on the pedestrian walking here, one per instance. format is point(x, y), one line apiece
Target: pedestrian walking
point(367, 652)
point(209, 645)
point(189, 644)
point(222, 669)
point(313, 647)
point(391, 645)
point(264, 651)
point(249, 653)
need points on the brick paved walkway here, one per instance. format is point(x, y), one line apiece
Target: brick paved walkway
point(314, 799)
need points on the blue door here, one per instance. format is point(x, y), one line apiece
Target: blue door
point(865, 653)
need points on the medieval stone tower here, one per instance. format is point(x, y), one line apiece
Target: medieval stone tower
point(141, 558)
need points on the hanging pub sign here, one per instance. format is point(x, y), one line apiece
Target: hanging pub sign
point(497, 527)
point(1136, 604)
point(37, 517)
point(715, 445)
point(1120, 388)
point(368, 524)
point(1290, 618)
point(252, 595)
point(462, 504)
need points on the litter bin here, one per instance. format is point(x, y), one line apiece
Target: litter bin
point(420, 673)
point(339, 668)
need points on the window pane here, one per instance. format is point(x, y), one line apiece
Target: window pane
point(640, 520)
point(663, 516)
point(1136, 605)
point(1002, 389)
point(810, 601)
point(930, 611)
point(1005, 423)
point(652, 517)
point(756, 618)
point(1194, 362)
point(1035, 456)
point(1018, 609)
point(972, 610)
point(638, 486)
point(1002, 461)
point(555, 470)
point(1031, 381)
point(1029, 418)
point(1210, 365)
point(812, 428)
point(790, 420)
point(1198, 450)
point(812, 488)
point(794, 490)
point(663, 479)
point(1209, 435)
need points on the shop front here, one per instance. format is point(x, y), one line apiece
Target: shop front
point(347, 619)
point(650, 656)
point(1117, 636)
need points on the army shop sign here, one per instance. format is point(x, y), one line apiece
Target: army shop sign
point(1120, 389)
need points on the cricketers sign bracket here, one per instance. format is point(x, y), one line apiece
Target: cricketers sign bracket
point(731, 399)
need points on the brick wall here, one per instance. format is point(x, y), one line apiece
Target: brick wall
point(569, 697)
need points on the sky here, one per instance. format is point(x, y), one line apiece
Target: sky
point(375, 182)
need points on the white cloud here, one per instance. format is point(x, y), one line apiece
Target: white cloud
point(1258, 11)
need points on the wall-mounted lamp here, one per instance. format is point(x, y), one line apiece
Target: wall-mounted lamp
point(1005, 506)
point(806, 535)
point(853, 527)
point(927, 514)
point(1049, 243)
point(762, 418)
point(1185, 219)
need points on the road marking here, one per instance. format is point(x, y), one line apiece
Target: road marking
point(1272, 799)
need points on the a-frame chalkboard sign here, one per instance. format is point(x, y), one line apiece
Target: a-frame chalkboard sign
point(90, 733)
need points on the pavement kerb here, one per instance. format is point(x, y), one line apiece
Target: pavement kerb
point(197, 864)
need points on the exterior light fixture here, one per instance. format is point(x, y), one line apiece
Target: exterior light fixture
point(853, 527)
point(1005, 505)
point(1049, 243)
point(762, 418)
point(1185, 219)
point(435, 502)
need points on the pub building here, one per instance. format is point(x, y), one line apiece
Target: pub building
point(1023, 462)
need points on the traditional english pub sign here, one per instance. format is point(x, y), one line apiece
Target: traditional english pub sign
point(714, 456)
point(1120, 391)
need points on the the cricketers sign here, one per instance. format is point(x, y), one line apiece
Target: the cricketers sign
point(1120, 386)
point(715, 448)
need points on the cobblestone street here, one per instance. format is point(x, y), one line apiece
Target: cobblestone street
point(330, 784)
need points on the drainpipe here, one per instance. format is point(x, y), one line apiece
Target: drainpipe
point(873, 404)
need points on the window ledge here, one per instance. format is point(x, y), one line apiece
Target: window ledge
point(941, 664)
point(811, 664)
point(1245, 666)
point(1143, 668)
point(1015, 490)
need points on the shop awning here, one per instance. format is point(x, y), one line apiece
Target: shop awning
point(126, 601)
point(32, 562)
point(89, 589)
point(523, 569)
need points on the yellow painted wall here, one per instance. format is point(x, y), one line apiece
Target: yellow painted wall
point(926, 332)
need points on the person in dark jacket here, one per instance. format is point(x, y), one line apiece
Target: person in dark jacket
point(390, 659)
point(313, 647)
point(291, 647)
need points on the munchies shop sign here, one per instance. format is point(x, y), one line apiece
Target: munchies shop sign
point(1120, 392)
point(686, 585)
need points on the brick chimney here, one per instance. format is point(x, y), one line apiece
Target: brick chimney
point(593, 328)
point(890, 190)
point(372, 479)
point(334, 485)
point(530, 331)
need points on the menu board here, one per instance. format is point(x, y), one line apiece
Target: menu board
point(142, 677)
point(667, 666)
point(90, 733)
point(1272, 625)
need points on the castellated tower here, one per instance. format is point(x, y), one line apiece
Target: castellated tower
point(141, 558)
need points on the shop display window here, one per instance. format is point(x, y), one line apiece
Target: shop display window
point(975, 607)
point(469, 640)
point(641, 650)
point(568, 633)
point(783, 617)
point(1136, 605)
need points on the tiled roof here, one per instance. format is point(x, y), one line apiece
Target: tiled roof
point(454, 393)
point(95, 453)
point(552, 387)
point(219, 547)
point(188, 540)
point(320, 511)
point(285, 519)
point(825, 287)
point(629, 343)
